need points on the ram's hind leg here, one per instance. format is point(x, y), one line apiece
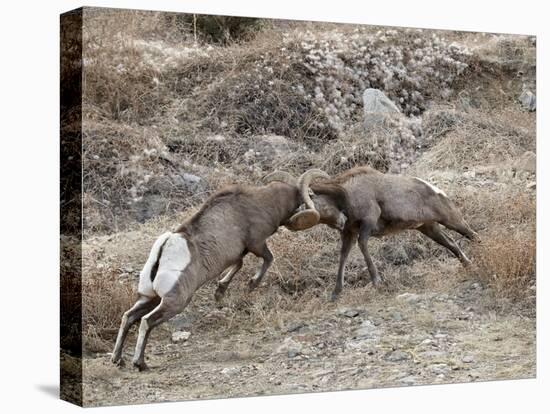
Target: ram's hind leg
point(434, 232)
point(263, 252)
point(226, 280)
point(143, 305)
point(453, 220)
point(365, 231)
point(167, 308)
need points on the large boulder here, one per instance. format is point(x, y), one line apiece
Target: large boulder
point(377, 107)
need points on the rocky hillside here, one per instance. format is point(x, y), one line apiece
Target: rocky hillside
point(170, 115)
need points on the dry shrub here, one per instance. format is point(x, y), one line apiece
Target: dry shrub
point(221, 29)
point(464, 140)
point(486, 210)
point(104, 299)
point(506, 262)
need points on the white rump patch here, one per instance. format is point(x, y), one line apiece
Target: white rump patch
point(174, 259)
point(145, 286)
point(433, 187)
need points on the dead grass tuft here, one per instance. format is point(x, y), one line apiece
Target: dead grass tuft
point(507, 263)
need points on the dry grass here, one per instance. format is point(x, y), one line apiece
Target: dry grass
point(507, 263)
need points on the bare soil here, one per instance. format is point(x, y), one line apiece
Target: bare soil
point(390, 340)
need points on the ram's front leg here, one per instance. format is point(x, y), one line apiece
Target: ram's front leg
point(364, 234)
point(348, 239)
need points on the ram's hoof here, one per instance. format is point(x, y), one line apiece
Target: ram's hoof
point(119, 362)
point(253, 284)
point(219, 294)
point(141, 366)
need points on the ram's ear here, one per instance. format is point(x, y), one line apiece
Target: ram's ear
point(303, 220)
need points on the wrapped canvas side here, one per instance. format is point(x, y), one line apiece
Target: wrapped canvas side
point(71, 206)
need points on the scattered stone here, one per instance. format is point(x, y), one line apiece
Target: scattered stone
point(290, 347)
point(410, 380)
point(409, 297)
point(468, 359)
point(440, 336)
point(439, 369)
point(367, 329)
point(230, 371)
point(397, 356)
point(293, 353)
point(359, 346)
point(469, 174)
point(180, 336)
point(528, 100)
point(396, 316)
point(350, 313)
point(432, 355)
point(531, 186)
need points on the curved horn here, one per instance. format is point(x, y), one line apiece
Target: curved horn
point(309, 217)
point(304, 181)
point(282, 176)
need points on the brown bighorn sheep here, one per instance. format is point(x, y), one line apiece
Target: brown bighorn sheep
point(233, 222)
point(376, 204)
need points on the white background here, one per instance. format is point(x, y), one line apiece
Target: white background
point(29, 176)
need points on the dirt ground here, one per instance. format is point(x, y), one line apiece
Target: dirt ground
point(390, 340)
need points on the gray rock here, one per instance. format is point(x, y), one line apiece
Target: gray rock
point(377, 107)
point(431, 354)
point(409, 297)
point(230, 371)
point(468, 359)
point(397, 356)
point(359, 345)
point(290, 347)
point(439, 369)
point(409, 380)
point(350, 313)
point(531, 186)
point(367, 329)
point(528, 100)
point(396, 316)
point(180, 336)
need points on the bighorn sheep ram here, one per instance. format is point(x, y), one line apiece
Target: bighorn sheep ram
point(363, 202)
point(234, 221)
